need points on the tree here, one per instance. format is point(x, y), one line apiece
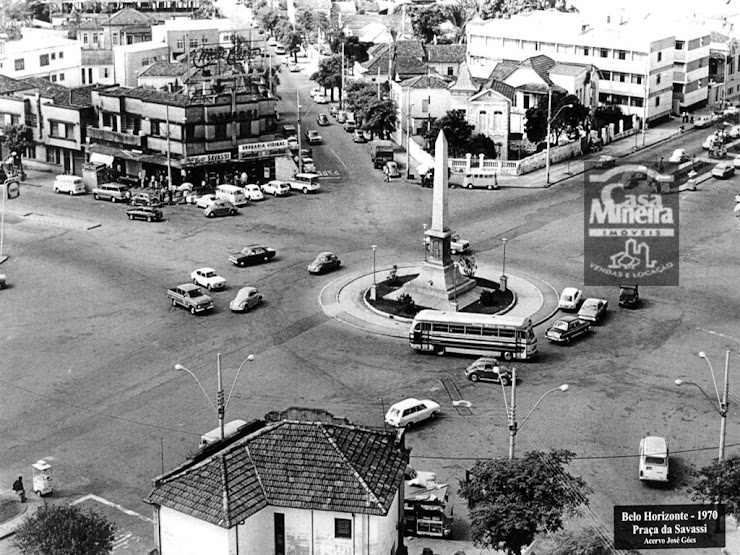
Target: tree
point(720, 483)
point(359, 96)
point(268, 18)
point(426, 21)
point(457, 131)
point(604, 115)
point(460, 13)
point(510, 501)
point(564, 119)
point(491, 9)
point(64, 530)
point(480, 144)
point(329, 74)
point(19, 139)
point(584, 541)
point(381, 117)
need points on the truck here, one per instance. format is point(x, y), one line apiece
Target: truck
point(425, 506)
point(190, 297)
point(629, 295)
point(380, 153)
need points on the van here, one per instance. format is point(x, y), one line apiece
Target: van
point(70, 184)
point(305, 182)
point(480, 180)
point(288, 130)
point(215, 435)
point(654, 459)
point(233, 194)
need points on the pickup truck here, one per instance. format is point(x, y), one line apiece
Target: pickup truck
point(629, 296)
point(190, 296)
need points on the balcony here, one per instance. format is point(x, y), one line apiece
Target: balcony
point(114, 137)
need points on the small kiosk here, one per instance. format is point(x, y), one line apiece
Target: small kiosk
point(41, 478)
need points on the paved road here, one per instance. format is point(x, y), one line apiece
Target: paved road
point(89, 341)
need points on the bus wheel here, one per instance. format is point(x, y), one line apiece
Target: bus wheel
point(470, 185)
point(490, 187)
point(474, 377)
point(508, 356)
point(439, 350)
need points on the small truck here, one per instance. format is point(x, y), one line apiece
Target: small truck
point(190, 297)
point(629, 295)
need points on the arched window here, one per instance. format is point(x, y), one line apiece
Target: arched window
point(498, 120)
point(482, 122)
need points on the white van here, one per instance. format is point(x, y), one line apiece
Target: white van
point(70, 184)
point(305, 182)
point(480, 180)
point(654, 459)
point(235, 195)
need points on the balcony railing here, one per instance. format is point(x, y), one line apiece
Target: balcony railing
point(124, 139)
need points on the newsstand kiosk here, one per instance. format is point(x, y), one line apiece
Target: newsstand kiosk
point(41, 478)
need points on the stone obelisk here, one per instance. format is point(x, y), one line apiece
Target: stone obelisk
point(439, 284)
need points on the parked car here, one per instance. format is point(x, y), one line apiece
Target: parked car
point(190, 297)
point(570, 299)
point(276, 188)
point(293, 67)
point(252, 254)
point(315, 91)
point(411, 411)
point(593, 310)
point(305, 152)
point(487, 369)
point(113, 192)
point(704, 121)
point(148, 213)
point(358, 136)
point(629, 295)
point(324, 262)
point(567, 328)
point(458, 245)
point(333, 109)
point(736, 161)
point(3, 281)
point(321, 99)
point(280, 49)
point(715, 139)
point(679, 156)
point(341, 116)
point(205, 201)
point(605, 161)
point(220, 208)
point(723, 170)
point(391, 169)
point(208, 278)
point(253, 192)
point(246, 299)
point(654, 459)
point(733, 132)
point(313, 137)
point(145, 199)
point(308, 165)
point(322, 119)
point(292, 142)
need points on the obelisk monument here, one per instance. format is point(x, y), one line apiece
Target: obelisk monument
point(439, 284)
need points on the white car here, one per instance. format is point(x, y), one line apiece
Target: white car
point(654, 463)
point(276, 188)
point(205, 201)
point(321, 99)
point(593, 310)
point(308, 165)
point(736, 161)
point(315, 91)
point(293, 142)
point(678, 157)
point(570, 299)
point(208, 278)
point(458, 245)
point(411, 411)
point(246, 298)
point(253, 192)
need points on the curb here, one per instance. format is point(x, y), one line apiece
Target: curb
point(7, 528)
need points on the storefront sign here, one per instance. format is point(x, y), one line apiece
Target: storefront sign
point(208, 158)
point(203, 57)
point(263, 150)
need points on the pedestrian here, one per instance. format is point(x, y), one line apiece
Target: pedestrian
point(692, 118)
point(19, 490)
point(660, 165)
point(495, 180)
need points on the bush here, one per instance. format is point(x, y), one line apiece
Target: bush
point(487, 297)
point(408, 306)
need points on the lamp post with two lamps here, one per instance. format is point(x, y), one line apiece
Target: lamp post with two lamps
point(723, 404)
point(221, 404)
point(514, 427)
point(503, 281)
point(373, 290)
point(549, 122)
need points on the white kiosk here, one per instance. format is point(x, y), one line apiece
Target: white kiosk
point(41, 478)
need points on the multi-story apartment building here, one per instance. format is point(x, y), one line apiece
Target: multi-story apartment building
point(131, 60)
point(635, 59)
point(109, 6)
point(43, 53)
point(98, 38)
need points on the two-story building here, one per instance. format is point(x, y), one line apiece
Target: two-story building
point(43, 53)
point(314, 485)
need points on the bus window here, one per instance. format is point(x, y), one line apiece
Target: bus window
point(440, 327)
point(491, 332)
point(457, 329)
point(426, 326)
point(505, 333)
point(472, 330)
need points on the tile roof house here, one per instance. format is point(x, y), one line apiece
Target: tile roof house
point(281, 485)
point(411, 58)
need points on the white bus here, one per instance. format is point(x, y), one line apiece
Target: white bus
point(509, 337)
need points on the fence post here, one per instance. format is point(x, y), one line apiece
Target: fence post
point(468, 158)
point(480, 160)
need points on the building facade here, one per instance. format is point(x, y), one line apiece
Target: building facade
point(42, 53)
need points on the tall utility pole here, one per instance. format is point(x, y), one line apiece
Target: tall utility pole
point(298, 106)
point(169, 152)
point(341, 93)
point(723, 408)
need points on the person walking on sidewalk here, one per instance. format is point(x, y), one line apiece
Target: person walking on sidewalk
point(19, 490)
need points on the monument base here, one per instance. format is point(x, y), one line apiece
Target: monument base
point(439, 287)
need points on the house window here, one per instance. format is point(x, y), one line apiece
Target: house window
point(14, 119)
point(193, 43)
point(83, 75)
point(44, 60)
point(482, 120)
point(115, 39)
point(525, 99)
point(586, 51)
point(20, 64)
point(95, 38)
point(342, 528)
point(84, 38)
point(637, 79)
point(622, 55)
point(606, 75)
point(61, 76)
point(679, 45)
point(604, 53)
point(425, 106)
point(154, 129)
point(61, 55)
point(498, 120)
point(657, 101)
point(220, 131)
point(450, 70)
point(105, 73)
point(179, 44)
point(657, 79)
point(53, 155)
point(53, 78)
point(53, 55)
point(660, 56)
point(279, 524)
point(204, 40)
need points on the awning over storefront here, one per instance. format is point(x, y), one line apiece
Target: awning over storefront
point(99, 158)
point(158, 160)
point(102, 153)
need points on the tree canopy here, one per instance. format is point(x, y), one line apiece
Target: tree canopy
point(564, 118)
point(491, 9)
point(584, 541)
point(457, 132)
point(510, 501)
point(359, 96)
point(426, 21)
point(19, 138)
point(380, 117)
point(329, 74)
point(64, 530)
point(720, 483)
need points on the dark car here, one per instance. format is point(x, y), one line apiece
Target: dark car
point(487, 369)
point(252, 254)
point(567, 328)
point(324, 262)
point(629, 296)
point(148, 213)
point(322, 119)
point(145, 199)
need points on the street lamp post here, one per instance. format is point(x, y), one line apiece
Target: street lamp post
point(425, 242)
point(549, 122)
point(511, 411)
point(169, 151)
point(503, 281)
point(723, 403)
point(298, 104)
point(221, 404)
point(374, 287)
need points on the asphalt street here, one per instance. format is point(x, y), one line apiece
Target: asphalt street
point(89, 340)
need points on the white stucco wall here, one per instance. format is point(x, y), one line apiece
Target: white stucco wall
point(181, 534)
